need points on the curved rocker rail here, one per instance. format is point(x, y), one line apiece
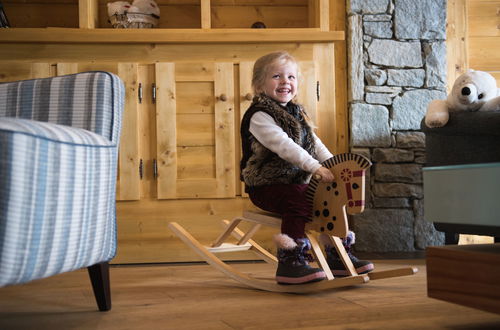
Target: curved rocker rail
point(265, 285)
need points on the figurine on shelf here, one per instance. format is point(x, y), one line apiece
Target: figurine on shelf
point(139, 14)
point(117, 13)
point(144, 14)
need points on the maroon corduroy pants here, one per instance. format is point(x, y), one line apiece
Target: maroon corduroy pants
point(289, 201)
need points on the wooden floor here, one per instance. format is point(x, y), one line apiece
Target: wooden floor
point(198, 297)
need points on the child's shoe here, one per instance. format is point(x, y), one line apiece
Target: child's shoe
point(337, 266)
point(293, 265)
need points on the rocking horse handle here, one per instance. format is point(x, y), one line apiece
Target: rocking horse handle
point(317, 177)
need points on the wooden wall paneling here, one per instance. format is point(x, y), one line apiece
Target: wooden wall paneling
point(319, 14)
point(484, 18)
point(457, 41)
point(166, 134)
point(224, 129)
point(333, 139)
point(88, 13)
point(12, 71)
point(128, 186)
point(42, 70)
point(35, 13)
point(243, 16)
point(205, 14)
point(338, 23)
point(246, 96)
point(66, 68)
point(484, 53)
point(307, 89)
point(143, 235)
point(105, 52)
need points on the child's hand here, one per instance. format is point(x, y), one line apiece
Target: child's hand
point(324, 175)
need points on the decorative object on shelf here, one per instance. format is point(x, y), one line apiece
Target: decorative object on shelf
point(258, 25)
point(472, 91)
point(141, 14)
point(4, 22)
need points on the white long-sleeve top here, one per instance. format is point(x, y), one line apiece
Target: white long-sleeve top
point(264, 128)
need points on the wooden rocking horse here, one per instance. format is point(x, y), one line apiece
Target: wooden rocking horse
point(331, 202)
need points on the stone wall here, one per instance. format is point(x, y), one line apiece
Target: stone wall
point(397, 64)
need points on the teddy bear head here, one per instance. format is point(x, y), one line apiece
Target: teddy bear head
point(472, 90)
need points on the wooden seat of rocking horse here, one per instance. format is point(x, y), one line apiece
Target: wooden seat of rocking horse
point(330, 204)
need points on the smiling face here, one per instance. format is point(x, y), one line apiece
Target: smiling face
point(281, 82)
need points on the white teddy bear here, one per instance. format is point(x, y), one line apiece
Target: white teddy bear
point(472, 91)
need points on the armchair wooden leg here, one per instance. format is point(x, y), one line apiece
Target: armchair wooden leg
point(99, 276)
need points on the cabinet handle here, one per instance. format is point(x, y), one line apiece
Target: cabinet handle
point(153, 87)
point(223, 97)
point(318, 90)
point(155, 169)
point(248, 97)
point(141, 169)
point(140, 93)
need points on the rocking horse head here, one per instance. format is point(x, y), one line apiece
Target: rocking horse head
point(332, 201)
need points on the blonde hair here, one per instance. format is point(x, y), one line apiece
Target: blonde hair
point(262, 65)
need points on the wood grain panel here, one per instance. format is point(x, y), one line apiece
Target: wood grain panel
point(128, 163)
point(166, 130)
point(195, 130)
point(12, 71)
point(195, 163)
point(195, 97)
point(484, 53)
point(224, 129)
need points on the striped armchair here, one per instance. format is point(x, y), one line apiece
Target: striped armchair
point(58, 161)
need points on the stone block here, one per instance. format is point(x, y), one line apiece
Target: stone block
point(435, 64)
point(367, 7)
point(392, 155)
point(375, 77)
point(410, 108)
point(370, 125)
point(378, 98)
point(406, 78)
point(398, 190)
point(423, 19)
point(410, 140)
point(384, 230)
point(405, 173)
point(391, 202)
point(395, 53)
point(355, 53)
point(378, 29)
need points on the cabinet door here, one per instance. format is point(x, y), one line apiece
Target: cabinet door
point(128, 179)
point(195, 130)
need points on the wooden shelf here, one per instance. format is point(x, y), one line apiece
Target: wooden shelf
point(69, 35)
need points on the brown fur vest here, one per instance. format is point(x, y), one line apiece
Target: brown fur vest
point(259, 165)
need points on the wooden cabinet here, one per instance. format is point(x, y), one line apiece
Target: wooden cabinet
point(180, 151)
point(175, 14)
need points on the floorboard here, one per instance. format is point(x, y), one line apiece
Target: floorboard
point(198, 297)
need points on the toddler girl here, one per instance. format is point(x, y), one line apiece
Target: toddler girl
point(280, 153)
